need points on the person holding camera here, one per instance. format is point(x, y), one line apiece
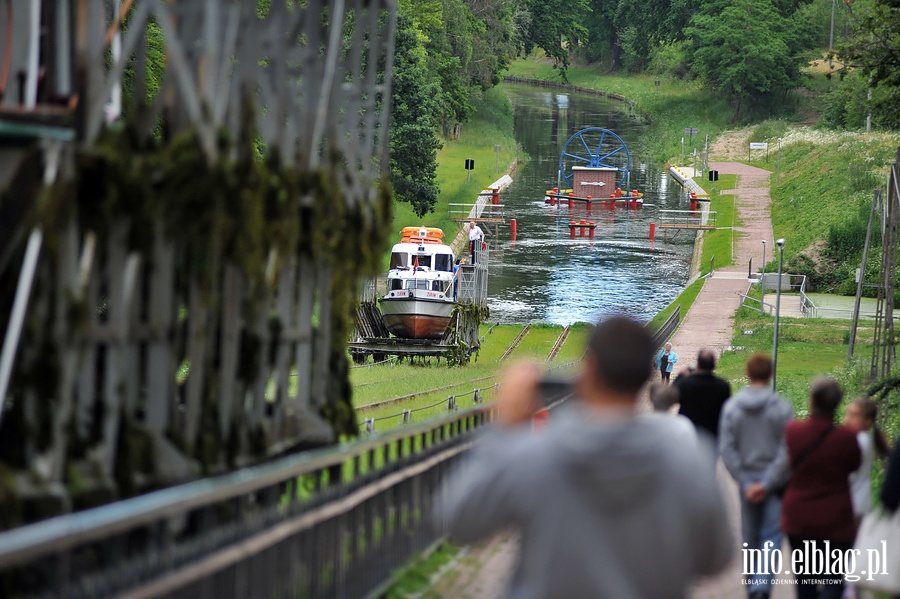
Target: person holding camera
point(601, 496)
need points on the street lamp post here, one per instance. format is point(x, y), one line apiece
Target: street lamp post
point(778, 168)
point(780, 244)
point(762, 281)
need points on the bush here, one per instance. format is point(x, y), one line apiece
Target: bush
point(769, 131)
point(847, 106)
point(669, 60)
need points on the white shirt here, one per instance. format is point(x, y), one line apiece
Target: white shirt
point(475, 233)
point(861, 480)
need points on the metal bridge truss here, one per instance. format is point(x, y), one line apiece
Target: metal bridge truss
point(197, 364)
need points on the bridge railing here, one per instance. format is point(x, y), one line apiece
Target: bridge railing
point(688, 218)
point(328, 523)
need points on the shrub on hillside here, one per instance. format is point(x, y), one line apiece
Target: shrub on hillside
point(847, 105)
point(669, 60)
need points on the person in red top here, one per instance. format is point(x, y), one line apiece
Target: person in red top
point(817, 506)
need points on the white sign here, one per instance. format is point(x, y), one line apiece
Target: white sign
point(597, 183)
point(759, 146)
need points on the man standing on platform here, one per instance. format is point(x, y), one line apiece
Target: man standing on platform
point(476, 238)
point(702, 395)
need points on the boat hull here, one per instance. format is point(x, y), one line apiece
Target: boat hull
point(412, 318)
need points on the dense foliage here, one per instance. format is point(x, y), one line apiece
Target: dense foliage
point(871, 84)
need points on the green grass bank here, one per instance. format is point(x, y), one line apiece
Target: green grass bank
point(434, 382)
point(492, 124)
point(820, 206)
point(719, 244)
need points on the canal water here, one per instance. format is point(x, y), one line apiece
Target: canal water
point(544, 276)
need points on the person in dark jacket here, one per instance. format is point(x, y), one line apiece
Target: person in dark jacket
point(890, 490)
point(703, 394)
point(817, 506)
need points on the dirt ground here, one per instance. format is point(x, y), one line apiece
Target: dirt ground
point(730, 145)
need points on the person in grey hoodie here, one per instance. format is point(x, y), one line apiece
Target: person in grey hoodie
point(609, 505)
point(751, 443)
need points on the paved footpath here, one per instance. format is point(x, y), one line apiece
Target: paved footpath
point(710, 321)
point(485, 570)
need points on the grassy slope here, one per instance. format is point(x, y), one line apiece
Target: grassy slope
point(685, 299)
point(404, 379)
point(807, 348)
point(719, 243)
point(825, 177)
point(491, 124)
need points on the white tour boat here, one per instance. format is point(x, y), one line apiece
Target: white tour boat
point(419, 297)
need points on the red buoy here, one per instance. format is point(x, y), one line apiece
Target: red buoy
point(652, 231)
point(512, 229)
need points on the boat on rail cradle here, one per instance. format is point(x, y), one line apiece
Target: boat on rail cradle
point(419, 299)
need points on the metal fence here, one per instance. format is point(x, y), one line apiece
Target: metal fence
point(667, 329)
point(688, 219)
point(330, 523)
point(790, 284)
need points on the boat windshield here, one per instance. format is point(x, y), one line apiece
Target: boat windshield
point(399, 259)
point(417, 284)
point(443, 262)
point(396, 284)
point(424, 260)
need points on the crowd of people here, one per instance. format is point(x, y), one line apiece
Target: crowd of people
point(612, 501)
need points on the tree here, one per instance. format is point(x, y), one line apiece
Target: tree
point(745, 49)
point(874, 51)
point(413, 140)
point(555, 26)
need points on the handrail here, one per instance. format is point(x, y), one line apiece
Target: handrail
point(63, 532)
point(667, 329)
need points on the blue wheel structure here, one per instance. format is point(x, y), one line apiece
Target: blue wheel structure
point(597, 148)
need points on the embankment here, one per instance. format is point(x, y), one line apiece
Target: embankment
point(821, 204)
point(490, 126)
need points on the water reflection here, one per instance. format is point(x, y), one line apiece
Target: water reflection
point(547, 277)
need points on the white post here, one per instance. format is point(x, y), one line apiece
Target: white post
point(780, 244)
point(762, 280)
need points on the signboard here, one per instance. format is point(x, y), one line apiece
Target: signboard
point(713, 175)
point(470, 164)
point(691, 131)
point(758, 145)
